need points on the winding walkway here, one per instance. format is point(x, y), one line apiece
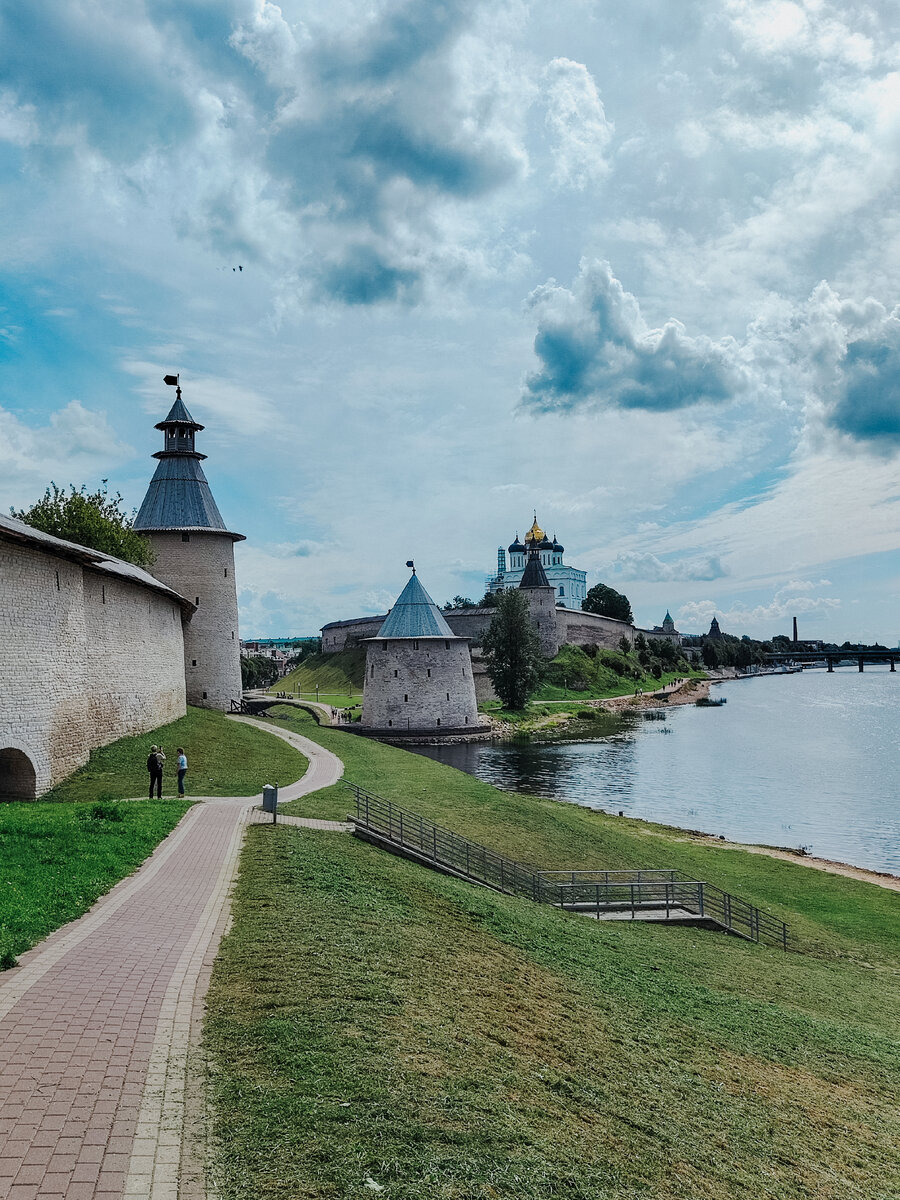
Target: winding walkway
point(99, 1022)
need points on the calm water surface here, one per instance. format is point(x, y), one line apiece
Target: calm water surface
point(809, 759)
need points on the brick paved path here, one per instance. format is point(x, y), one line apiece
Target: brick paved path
point(96, 1022)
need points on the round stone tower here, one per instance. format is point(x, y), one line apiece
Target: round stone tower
point(195, 557)
point(418, 672)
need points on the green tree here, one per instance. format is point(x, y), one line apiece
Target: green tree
point(93, 519)
point(257, 671)
point(459, 602)
point(608, 603)
point(710, 656)
point(512, 650)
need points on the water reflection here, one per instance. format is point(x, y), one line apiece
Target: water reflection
point(796, 760)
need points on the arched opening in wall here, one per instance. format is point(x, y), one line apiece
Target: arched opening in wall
point(17, 777)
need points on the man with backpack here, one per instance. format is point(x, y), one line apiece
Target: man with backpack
point(155, 760)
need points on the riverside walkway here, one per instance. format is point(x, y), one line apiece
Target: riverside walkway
point(99, 1023)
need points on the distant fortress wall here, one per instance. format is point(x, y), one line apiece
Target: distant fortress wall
point(573, 626)
point(91, 650)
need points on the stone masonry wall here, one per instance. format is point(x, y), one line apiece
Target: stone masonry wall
point(201, 569)
point(556, 626)
point(583, 628)
point(85, 658)
point(422, 684)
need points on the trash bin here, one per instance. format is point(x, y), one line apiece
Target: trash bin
point(270, 798)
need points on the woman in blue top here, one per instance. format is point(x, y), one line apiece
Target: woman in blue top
point(182, 770)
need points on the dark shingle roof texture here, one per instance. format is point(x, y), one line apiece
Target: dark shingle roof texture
point(179, 497)
point(415, 615)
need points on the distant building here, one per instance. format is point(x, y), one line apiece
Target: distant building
point(715, 633)
point(666, 630)
point(280, 650)
point(569, 584)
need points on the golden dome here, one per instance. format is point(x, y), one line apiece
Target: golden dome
point(535, 533)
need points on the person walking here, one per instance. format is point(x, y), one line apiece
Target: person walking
point(182, 770)
point(154, 768)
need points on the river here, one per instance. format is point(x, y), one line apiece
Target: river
point(809, 759)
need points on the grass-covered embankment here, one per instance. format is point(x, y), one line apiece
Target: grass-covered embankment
point(225, 758)
point(57, 859)
point(828, 914)
point(339, 678)
point(593, 673)
point(375, 1020)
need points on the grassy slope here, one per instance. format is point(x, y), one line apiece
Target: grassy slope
point(56, 859)
point(225, 758)
point(380, 1020)
point(827, 913)
point(336, 675)
point(368, 1016)
point(573, 673)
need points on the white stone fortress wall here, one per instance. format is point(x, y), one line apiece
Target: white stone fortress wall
point(88, 654)
point(199, 564)
point(420, 684)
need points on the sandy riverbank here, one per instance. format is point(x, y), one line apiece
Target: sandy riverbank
point(689, 692)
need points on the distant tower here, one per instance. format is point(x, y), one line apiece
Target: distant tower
point(195, 556)
point(541, 596)
point(715, 633)
point(796, 639)
point(418, 672)
point(668, 625)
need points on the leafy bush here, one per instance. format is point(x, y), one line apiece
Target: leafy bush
point(616, 661)
point(103, 811)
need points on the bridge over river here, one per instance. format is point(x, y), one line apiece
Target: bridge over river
point(832, 658)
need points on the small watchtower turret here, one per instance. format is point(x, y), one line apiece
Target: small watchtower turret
point(418, 672)
point(541, 596)
point(194, 556)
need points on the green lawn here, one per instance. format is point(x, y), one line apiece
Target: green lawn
point(57, 859)
point(225, 758)
point(377, 1021)
point(370, 1020)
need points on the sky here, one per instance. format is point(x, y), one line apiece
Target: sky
point(427, 267)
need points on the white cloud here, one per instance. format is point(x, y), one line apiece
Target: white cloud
point(77, 446)
point(757, 620)
point(577, 123)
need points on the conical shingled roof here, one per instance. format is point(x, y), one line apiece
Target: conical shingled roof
point(179, 497)
point(179, 415)
point(534, 575)
point(415, 615)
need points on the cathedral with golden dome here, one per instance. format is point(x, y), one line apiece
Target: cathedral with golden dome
point(570, 583)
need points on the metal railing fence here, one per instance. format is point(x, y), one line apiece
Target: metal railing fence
point(601, 891)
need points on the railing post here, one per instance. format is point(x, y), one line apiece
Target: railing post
point(401, 827)
point(434, 842)
point(502, 885)
point(597, 899)
point(468, 872)
point(726, 903)
point(700, 897)
point(632, 901)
